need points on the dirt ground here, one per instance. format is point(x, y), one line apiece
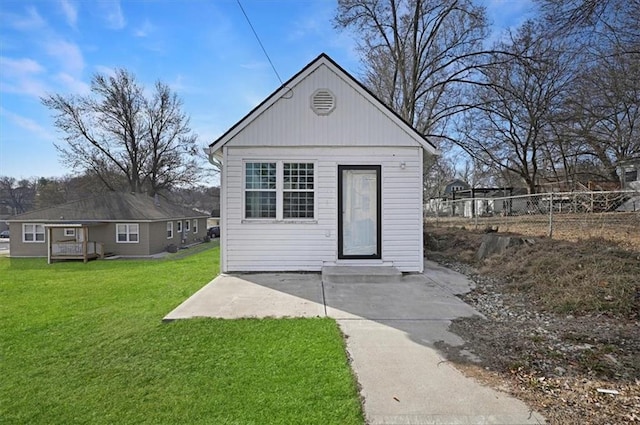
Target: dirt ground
point(622, 229)
point(562, 327)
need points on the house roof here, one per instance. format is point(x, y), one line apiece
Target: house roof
point(282, 91)
point(111, 206)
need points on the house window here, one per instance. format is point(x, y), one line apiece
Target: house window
point(169, 229)
point(279, 190)
point(195, 226)
point(127, 233)
point(298, 196)
point(187, 223)
point(260, 190)
point(70, 232)
point(33, 233)
point(179, 227)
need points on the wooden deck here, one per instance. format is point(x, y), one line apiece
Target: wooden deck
point(76, 251)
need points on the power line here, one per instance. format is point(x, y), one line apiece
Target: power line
point(260, 42)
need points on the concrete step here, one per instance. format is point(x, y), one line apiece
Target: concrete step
point(361, 274)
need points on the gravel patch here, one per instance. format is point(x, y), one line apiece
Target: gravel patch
point(572, 369)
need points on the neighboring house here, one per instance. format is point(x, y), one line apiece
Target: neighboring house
point(471, 202)
point(629, 172)
point(321, 173)
point(455, 186)
point(113, 223)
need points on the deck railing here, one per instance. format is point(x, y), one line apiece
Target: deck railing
point(75, 249)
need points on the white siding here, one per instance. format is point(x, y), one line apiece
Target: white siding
point(355, 121)
point(284, 246)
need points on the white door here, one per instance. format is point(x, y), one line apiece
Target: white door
point(359, 212)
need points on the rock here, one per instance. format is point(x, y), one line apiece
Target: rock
point(493, 243)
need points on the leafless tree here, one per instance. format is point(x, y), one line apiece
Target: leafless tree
point(597, 19)
point(605, 110)
point(417, 54)
point(509, 128)
point(117, 132)
point(18, 196)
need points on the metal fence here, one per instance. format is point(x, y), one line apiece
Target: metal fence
point(611, 215)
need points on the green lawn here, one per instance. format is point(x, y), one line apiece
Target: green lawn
point(84, 343)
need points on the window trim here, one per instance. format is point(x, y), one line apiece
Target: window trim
point(169, 229)
point(187, 226)
point(179, 226)
point(128, 232)
point(195, 226)
point(34, 233)
point(280, 190)
point(268, 190)
point(70, 232)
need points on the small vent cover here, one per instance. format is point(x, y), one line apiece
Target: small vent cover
point(323, 102)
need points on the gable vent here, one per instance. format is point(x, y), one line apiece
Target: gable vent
point(323, 102)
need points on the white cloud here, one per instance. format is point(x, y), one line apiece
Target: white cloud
point(27, 124)
point(70, 12)
point(145, 29)
point(67, 54)
point(20, 66)
point(20, 76)
point(73, 84)
point(113, 14)
point(31, 21)
point(105, 70)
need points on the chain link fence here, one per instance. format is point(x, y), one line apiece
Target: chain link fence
point(613, 215)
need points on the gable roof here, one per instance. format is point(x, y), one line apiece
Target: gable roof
point(284, 89)
point(111, 206)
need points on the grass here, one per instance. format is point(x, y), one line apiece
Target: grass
point(590, 276)
point(84, 343)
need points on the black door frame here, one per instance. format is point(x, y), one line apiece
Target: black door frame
point(378, 254)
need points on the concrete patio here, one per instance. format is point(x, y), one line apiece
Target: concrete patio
point(390, 330)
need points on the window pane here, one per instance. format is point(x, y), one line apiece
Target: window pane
point(260, 204)
point(298, 205)
point(260, 175)
point(298, 176)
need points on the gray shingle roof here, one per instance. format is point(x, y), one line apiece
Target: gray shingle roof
point(112, 206)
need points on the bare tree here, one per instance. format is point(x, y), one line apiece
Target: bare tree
point(509, 128)
point(417, 54)
point(118, 133)
point(18, 196)
point(605, 110)
point(597, 19)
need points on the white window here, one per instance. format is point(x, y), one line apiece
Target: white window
point(179, 230)
point(195, 226)
point(33, 233)
point(187, 223)
point(298, 196)
point(279, 190)
point(260, 190)
point(70, 232)
point(127, 233)
point(169, 229)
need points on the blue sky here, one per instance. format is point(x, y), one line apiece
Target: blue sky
point(205, 50)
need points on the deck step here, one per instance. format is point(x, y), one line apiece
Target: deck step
point(361, 274)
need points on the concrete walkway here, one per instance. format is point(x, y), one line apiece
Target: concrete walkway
point(391, 329)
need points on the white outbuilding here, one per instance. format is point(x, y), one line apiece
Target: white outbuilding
point(321, 173)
